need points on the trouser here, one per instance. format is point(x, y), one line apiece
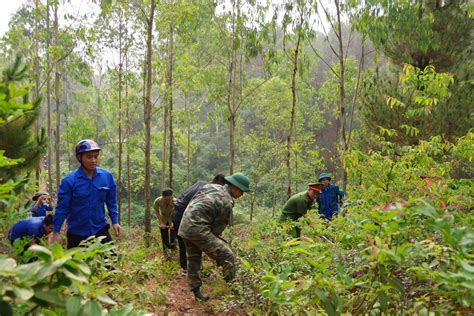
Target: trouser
point(182, 247)
point(217, 250)
point(75, 240)
point(168, 237)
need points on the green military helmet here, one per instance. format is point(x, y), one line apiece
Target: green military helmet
point(239, 180)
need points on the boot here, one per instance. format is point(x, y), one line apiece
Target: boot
point(199, 296)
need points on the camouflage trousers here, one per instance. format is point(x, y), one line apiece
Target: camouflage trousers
point(216, 249)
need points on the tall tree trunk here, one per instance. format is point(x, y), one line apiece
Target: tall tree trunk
point(57, 94)
point(164, 147)
point(147, 119)
point(37, 86)
point(66, 117)
point(232, 94)
point(188, 140)
point(289, 139)
point(99, 104)
point(170, 100)
point(48, 96)
point(273, 204)
point(342, 109)
point(120, 138)
point(356, 93)
point(129, 180)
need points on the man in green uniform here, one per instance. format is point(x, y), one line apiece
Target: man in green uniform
point(163, 207)
point(298, 205)
point(204, 220)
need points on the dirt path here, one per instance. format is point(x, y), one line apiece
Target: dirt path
point(180, 300)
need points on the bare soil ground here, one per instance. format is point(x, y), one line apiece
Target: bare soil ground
point(180, 300)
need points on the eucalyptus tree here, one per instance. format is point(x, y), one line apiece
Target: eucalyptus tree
point(297, 17)
point(169, 15)
point(264, 145)
point(114, 28)
point(184, 22)
point(57, 90)
point(149, 19)
point(240, 26)
point(48, 95)
point(37, 70)
point(338, 37)
point(68, 34)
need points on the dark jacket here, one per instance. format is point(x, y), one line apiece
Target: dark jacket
point(328, 200)
point(182, 202)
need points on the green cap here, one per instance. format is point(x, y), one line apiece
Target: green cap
point(239, 180)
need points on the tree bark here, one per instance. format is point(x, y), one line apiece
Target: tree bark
point(57, 94)
point(170, 100)
point(99, 104)
point(293, 108)
point(129, 180)
point(164, 147)
point(147, 119)
point(37, 85)
point(120, 137)
point(231, 98)
point(48, 97)
point(342, 94)
point(188, 141)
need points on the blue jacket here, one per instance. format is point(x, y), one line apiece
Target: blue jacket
point(81, 201)
point(31, 227)
point(41, 210)
point(328, 200)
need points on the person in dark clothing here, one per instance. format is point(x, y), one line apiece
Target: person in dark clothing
point(33, 228)
point(179, 208)
point(330, 197)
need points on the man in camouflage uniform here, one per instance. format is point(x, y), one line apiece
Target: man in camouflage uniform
point(204, 220)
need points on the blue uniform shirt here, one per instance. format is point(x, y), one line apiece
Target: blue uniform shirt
point(41, 210)
point(31, 227)
point(81, 201)
point(329, 200)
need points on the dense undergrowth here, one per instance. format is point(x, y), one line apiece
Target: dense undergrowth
point(407, 256)
point(403, 243)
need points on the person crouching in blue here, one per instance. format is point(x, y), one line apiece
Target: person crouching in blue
point(82, 195)
point(41, 204)
point(32, 228)
point(330, 197)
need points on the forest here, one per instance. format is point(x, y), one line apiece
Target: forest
point(378, 94)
